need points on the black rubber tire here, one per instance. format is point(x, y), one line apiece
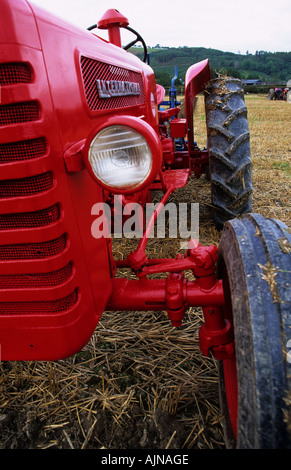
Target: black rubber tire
point(229, 149)
point(254, 261)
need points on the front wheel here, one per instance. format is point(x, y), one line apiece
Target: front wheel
point(254, 261)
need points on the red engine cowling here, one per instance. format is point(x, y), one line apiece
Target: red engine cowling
point(55, 278)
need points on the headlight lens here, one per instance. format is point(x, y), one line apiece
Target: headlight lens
point(120, 157)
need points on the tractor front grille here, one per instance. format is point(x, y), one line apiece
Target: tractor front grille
point(34, 246)
point(93, 70)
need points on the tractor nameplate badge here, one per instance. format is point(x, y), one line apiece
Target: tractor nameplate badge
point(112, 88)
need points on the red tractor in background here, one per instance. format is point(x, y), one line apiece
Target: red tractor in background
point(80, 124)
point(279, 94)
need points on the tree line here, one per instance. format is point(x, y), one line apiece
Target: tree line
point(270, 67)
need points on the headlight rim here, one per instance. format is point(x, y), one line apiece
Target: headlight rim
point(152, 139)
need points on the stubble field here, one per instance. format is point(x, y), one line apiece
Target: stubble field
point(140, 383)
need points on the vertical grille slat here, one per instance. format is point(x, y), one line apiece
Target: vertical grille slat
point(28, 220)
point(39, 308)
point(22, 150)
point(19, 112)
point(32, 251)
point(15, 72)
point(36, 280)
point(26, 186)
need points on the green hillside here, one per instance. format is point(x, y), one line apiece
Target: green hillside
point(267, 66)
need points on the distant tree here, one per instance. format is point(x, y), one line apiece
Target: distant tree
point(255, 76)
point(231, 72)
point(246, 64)
point(163, 78)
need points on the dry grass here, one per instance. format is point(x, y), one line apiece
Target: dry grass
point(269, 123)
point(139, 382)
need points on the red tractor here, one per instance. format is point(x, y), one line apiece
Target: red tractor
point(80, 126)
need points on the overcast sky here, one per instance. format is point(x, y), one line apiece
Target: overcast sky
point(228, 25)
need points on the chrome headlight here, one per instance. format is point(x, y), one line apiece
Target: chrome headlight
point(120, 157)
point(124, 154)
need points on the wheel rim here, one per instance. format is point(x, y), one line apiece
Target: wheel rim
point(229, 365)
point(231, 391)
